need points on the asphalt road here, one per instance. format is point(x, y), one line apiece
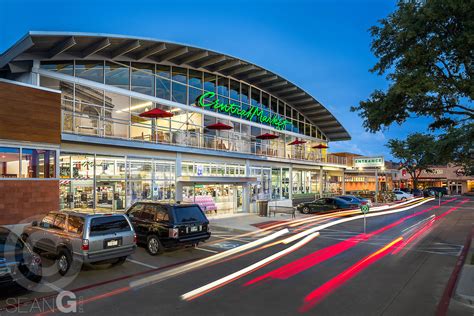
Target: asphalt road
point(400, 267)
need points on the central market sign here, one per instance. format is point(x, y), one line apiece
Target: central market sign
point(206, 100)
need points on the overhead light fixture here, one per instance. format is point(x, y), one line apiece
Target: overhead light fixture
point(135, 107)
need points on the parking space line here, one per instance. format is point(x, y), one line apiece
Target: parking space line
point(52, 286)
point(208, 250)
point(142, 263)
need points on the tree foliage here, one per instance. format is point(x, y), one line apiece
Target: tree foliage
point(426, 50)
point(416, 154)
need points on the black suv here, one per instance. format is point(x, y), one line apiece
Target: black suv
point(160, 225)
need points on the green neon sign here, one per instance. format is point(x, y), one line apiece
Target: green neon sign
point(233, 109)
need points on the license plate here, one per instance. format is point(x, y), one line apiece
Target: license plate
point(112, 243)
point(194, 229)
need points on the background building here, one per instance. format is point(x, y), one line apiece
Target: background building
point(126, 118)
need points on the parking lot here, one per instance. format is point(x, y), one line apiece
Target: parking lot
point(98, 279)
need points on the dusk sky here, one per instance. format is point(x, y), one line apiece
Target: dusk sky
point(322, 46)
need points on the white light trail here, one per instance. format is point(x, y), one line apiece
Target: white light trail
point(231, 277)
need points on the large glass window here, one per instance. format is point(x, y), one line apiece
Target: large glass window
point(38, 163)
point(64, 67)
point(90, 70)
point(195, 78)
point(255, 96)
point(9, 162)
point(194, 95)
point(210, 82)
point(234, 89)
point(179, 74)
point(140, 168)
point(223, 86)
point(143, 78)
point(117, 115)
point(117, 75)
point(179, 93)
point(109, 167)
point(163, 88)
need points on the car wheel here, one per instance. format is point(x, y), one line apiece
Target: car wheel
point(305, 210)
point(404, 199)
point(153, 245)
point(64, 261)
point(119, 261)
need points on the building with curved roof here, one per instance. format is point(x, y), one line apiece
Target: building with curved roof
point(144, 118)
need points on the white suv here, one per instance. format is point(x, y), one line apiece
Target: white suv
point(402, 196)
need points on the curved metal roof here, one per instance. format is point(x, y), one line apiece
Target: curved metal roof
point(65, 45)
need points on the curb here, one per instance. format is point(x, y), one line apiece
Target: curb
point(454, 280)
point(464, 291)
point(234, 230)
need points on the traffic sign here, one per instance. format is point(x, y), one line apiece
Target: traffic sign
point(364, 208)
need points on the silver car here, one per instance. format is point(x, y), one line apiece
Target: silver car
point(75, 238)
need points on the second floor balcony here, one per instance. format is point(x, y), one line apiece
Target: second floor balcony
point(100, 126)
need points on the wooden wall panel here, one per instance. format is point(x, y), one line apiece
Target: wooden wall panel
point(21, 200)
point(29, 114)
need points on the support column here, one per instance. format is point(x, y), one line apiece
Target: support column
point(290, 184)
point(320, 181)
point(343, 181)
point(376, 186)
point(179, 185)
point(246, 190)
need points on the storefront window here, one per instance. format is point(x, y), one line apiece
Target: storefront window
point(38, 163)
point(234, 89)
point(108, 168)
point(82, 166)
point(117, 115)
point(223, 87)
point(90, 70)
point(140, 168)
point(9, 162)
point(285, 183)
point(210, 82)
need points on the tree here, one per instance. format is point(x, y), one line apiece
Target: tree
point(416, 154)
point(426, 50)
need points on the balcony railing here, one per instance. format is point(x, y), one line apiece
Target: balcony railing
point(83, 124)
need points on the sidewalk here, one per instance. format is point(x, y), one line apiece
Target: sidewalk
point(247, 222)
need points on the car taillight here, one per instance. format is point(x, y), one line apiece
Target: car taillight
point(85, 244)
point(173, 232)
point(135, 238)
point(363, 202)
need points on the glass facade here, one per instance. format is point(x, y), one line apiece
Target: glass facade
point(183, 85)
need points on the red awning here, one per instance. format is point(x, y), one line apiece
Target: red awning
point(297, 142)
point(267, 136)
point(320, 146)
point(219, 126)
point(156, 113)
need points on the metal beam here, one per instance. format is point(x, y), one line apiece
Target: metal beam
point(276, 85)
point(303, 101)
point(125, 48)
point(241, 70)
point(173, 54)
point(328, 124)
point(96, 47)
point(227, 65)
point(62, 46)
point(21, 46)
point(150, 51)
point(310, 105)
point(255, 74)
point(299, 97)
point(286, 90)
point(266, 79)
point(323, 117)
point(194, 57)
point(291, 94)
point(20, 66)
point(314, 112)
point(211, 61)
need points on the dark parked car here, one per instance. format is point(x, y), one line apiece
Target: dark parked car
point(443, 190)
point(325, 205)
point(355, 200)
point(416, 192)
point(18, 263)
point(162, 225)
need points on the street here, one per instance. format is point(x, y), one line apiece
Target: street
point(401, 266)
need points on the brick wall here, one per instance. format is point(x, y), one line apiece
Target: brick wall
point(22, 199)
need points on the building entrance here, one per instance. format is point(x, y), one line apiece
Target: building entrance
point(215, 198)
